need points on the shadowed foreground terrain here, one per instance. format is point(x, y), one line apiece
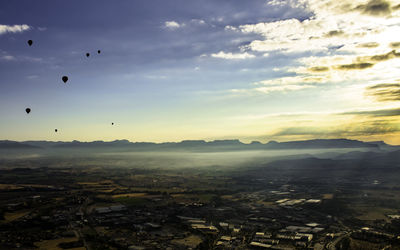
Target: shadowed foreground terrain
point(324, 194)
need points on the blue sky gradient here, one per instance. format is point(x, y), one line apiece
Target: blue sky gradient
point(179, 69)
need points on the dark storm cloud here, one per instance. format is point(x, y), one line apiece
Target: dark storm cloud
point(375, 8)
point(384, 92)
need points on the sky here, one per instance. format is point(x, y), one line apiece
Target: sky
point(172, 70)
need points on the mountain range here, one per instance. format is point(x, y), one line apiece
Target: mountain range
point(197, 145)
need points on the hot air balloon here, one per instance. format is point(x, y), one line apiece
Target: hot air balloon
point(55, 130)
point(87, 54)
point(112, 123)
point(27, 110)
point(65, 79)
point(30, 42)
point(98, 52)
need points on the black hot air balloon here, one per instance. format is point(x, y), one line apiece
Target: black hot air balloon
point(87, 54)
point(56, 130)
point(112, 123)
point(27, 110)
point(30, 42)
point(98, 52)
point(65, 79)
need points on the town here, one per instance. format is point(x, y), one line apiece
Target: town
point(119, 208)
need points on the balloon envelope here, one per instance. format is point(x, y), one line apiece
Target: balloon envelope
point(98, 51)
point(87, 54)
point(30, 42)
point(55, 130)
point(28, 110)
point(65, 79)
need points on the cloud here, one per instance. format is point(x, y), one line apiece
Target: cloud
point(333, 33)
point(8, 58)
point(375, 113)
point(326, 69)
point(350, 68)
point(289, 3)
point(282, 88)
point(368, 45)
point(347, 26)
point(304, 131)
point(276, 3)
point(348, 40)
point(232, 56)
point(13, 28)
point(375, 8)
point(395, 45)
point(284, 84)
point(359, 63)
point(384, 92)
point(32, 77)
point(354, 66)
point(271, 89)
point(173, 25)
point(318, 69)
point(11, 58)
point(383, 57)
point(231, 28)
point(290, 80)
point(356, 129)
point(198, 21)
point(358, 124)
